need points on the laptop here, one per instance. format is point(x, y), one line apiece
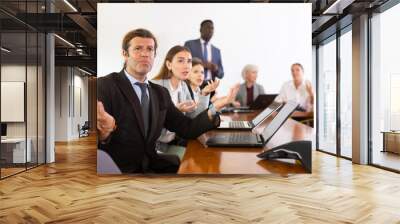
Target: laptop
point(249, 139)
point(241, 109)
point(248, 125)
point(262, 101)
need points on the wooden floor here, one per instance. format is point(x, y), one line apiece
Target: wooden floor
point(69, 191)
point(5, 172)
point(10, 171)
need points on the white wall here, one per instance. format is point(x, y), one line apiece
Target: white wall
point(61, 103)
point(50, 92)
point(33, 126)
point(16, 73)
point(80, 100)
point(67, 117)
point(12, 101)
point(273, 36)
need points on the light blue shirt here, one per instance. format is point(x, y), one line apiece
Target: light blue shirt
point(137, 89)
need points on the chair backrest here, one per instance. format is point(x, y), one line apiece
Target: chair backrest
point(105, 164)
point(86, 125)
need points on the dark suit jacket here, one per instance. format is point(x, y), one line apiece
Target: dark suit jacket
point(127, 146)
point(195, 48)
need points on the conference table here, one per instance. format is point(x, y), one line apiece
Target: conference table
point(304, 117)
point(200, 159)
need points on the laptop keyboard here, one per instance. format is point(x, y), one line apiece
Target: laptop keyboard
point(240, 137)
point(237, 124)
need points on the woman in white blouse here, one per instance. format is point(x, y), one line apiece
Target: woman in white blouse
point(174, 71)
point(298, 89)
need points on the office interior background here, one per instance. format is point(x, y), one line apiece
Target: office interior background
point(48, 95)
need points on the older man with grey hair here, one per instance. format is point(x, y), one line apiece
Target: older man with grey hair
point(249, 90)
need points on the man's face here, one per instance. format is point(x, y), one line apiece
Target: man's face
point(207, 31)
point(140, 56)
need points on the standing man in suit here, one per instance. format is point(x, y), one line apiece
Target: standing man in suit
point(131, 111)
point(210, 55)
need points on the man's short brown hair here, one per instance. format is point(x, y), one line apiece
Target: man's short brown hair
point(137, 33)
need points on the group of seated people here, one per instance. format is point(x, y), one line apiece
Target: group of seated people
point(299, 89)
point(183, 77)
point(140, 123)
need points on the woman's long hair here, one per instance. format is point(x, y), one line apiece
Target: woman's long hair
point(164, 72)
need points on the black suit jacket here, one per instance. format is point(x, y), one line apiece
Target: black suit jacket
point(128, 147)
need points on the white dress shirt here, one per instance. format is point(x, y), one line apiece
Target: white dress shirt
point(300, 95)
point(176, 94)
point(136, 88)
point(207, 76)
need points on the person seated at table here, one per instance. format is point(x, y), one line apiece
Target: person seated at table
point(174, 71)
point(299, 89)
point(196, 79)
point(249, 90)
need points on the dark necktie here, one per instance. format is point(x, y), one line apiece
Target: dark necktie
point(205, 57)
point(144, 101)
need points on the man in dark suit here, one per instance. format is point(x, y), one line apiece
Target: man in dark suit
point(210, 55)
point(132, 111)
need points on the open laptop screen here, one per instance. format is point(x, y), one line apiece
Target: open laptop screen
point(278, 120)
point(265, 113)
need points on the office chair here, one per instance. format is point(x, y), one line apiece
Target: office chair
point(84, 130)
